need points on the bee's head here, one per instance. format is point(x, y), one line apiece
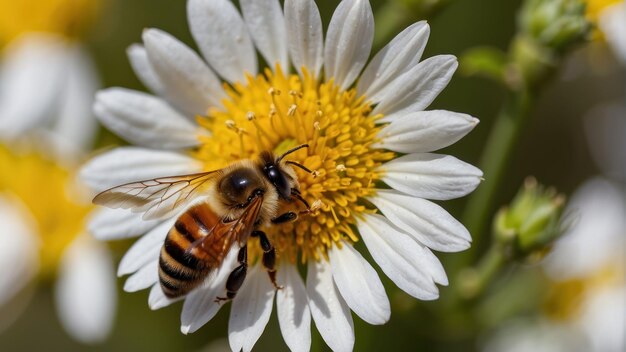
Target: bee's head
point(277, 175)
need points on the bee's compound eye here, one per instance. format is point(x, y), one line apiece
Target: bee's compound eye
point(237, 185)
point(272, 173)
point(278, 179)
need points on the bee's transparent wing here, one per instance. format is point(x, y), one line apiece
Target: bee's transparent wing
point(158, 197)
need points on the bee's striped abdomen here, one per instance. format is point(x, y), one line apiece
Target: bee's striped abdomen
point(183, 265)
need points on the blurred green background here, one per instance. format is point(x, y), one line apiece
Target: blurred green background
point(553, 149)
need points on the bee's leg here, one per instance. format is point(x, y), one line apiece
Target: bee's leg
point(298, 196)
point(269, 256)
point(284, 218)
point(237, 276)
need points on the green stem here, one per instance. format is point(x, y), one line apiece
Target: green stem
point(474, 281)
point(500, 145)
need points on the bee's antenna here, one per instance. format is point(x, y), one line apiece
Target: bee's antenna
point(294, 163)
point(291, 151)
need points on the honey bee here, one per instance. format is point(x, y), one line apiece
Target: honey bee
point(240, 199)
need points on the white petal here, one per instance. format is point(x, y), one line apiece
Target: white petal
point(425, 131)
point(404, 261)
point(75, 125)
point(144, 120)
point(612, 22)
point(140, 63)
point(128, 164)
point(19, 248)
point(187, 81)
point(348, 41)
point(200, 305)
point(86, 291)
point(435, 268)
point(304, 35)
point(145, 277)
point(267, 27)
point(145, 250)
point(223, 38)
point(397, 57)
point(157, 298)
point(603, 318)
point(415, 89)
point(116, 224)
point(427, 222)
point(251, 310)
point(330, 312)
point(431, 176)
point(292, 307)
point(34, 63)
point(359, 284)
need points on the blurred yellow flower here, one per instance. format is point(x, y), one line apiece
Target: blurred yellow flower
point(48, 192)
point(595, 7)
point(565, 299)
point(43, 237)
point(68, 18)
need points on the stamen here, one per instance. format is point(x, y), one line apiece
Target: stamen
point(317, 204)
point(260, 132)
point(292, 110)
point(231, 124)
point(339, 130)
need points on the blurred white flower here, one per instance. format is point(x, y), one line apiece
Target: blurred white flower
point(47, 80)
point(612, 23)
point(44, 237)
point(540, 335)
point(47, 83)
point(199, 122)
point(46, 86)
point(598, 237)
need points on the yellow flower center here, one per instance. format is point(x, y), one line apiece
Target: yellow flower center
point(65, 17)
point(45, 189)
point(274, 112)
point(565, 299)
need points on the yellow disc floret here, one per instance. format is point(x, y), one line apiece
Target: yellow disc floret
point(46, 190)
point(64, 17)
point(276, 112)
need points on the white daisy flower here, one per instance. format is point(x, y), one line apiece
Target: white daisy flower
point(44, 237)
point(587, 266)
point(610, 18)
point(62, 74)
point(370, 142)
point(47, 83)
point(40, 52)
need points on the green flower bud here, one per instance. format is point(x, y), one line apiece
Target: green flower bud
point(533, 220)
point(556, 24)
